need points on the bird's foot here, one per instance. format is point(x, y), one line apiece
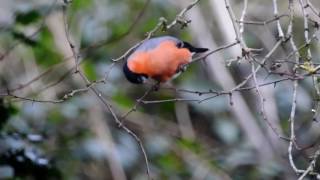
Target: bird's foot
point(181, 68)
point(156, 86)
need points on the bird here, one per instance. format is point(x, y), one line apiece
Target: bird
point(159, 58)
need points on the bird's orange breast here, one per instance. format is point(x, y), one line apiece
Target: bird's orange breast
point(160, 63)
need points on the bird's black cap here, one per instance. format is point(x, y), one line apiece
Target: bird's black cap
point(191, 48)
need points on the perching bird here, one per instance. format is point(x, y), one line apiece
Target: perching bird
point(159, 58)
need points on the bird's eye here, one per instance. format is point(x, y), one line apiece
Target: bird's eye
point(180, 44)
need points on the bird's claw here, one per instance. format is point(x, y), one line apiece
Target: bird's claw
point(181, 68)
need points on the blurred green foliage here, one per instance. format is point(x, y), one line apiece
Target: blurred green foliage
point(46, 56)
point(26, 18)
point(71, 143)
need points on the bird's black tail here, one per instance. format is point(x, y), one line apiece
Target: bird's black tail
point(194, 49)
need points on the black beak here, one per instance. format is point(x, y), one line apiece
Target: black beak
point(191, 48)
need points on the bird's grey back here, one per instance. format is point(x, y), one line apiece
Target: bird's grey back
point(154, 42)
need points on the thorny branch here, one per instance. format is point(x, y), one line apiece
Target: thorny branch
point(235, 26)
point(256, 66)
point(30, 36)
point(104, 100)
point(275, 12)
point(294, 96)
point(66, 59)
point(162, 25)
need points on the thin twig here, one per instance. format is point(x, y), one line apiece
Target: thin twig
point(263, 23)
point(38, 30)
point(275, 12)
point(162, 24)
point(294, 96)
point(106, 103)
point(243, 14)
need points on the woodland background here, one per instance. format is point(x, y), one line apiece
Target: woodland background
point(248, 109)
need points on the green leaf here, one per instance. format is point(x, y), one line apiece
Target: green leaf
point(189, 144)
point(21, 37)
point(118, 29)
point(55, 117)
point(29, 17)
point(6, 110)
point(76, 5)
point(89, 70)
point(45, 51)
point(123, 100)
point(170, 163)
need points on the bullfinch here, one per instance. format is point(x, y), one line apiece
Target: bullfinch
point(159, 58)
